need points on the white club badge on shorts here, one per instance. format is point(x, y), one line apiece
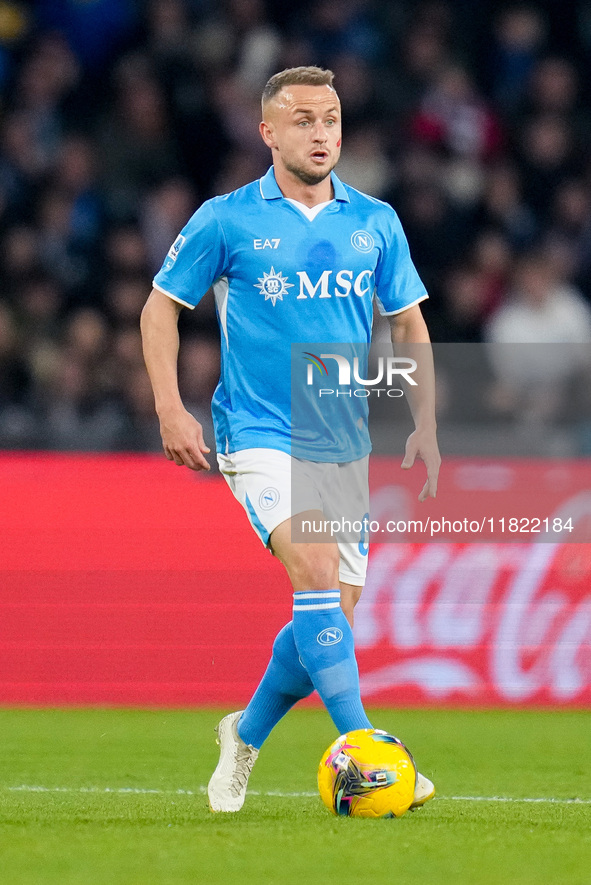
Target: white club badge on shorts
point(268, 498)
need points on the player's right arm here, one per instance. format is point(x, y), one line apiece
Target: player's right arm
point(182, 434)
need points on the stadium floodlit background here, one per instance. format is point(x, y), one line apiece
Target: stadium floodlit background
point(118, 586)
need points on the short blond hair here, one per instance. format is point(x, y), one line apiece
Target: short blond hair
point(302, 76)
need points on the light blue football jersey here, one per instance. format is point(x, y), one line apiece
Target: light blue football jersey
point(281, 279)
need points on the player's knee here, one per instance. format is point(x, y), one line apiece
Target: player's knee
point(315, 568)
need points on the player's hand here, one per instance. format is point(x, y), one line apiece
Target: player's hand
point(423, 444)
point(182, 440)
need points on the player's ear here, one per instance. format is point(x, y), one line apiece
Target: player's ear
point(268, 134)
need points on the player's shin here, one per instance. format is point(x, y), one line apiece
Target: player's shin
point(284, 683)
point(324, 641)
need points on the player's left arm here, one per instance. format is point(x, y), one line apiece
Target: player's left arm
point(410, 338)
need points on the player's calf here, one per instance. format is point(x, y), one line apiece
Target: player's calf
point(324, 640)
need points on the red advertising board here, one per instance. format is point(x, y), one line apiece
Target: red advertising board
point(126, 580)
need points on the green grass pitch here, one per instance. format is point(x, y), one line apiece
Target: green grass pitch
point(116, 797)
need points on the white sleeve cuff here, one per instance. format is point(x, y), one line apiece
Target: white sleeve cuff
point(174, 297)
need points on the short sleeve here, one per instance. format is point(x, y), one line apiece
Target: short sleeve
point(398, 285)
point(196, 259)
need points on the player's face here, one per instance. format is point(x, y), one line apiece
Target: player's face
point(302, 126)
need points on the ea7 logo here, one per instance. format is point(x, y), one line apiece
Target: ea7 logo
point(330, 636)
point(266, 244)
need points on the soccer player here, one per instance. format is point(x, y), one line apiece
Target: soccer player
point(297, 256)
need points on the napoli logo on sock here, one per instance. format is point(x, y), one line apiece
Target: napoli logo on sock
point(330, 636)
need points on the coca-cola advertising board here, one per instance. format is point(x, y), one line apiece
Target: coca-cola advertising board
point(127, 580)
point(507, 622)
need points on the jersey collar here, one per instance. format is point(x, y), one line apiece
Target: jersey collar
point(270, 189)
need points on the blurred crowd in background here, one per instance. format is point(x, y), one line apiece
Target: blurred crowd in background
point(118, 118)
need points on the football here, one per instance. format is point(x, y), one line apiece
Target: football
point(367, 773)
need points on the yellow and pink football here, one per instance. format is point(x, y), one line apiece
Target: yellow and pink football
point(367, 773)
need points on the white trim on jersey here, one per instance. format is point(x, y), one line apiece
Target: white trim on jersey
point(391, 313)
point(221, 288)
point(173, 297)
point(309, 211)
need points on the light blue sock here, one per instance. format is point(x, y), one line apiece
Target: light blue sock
point(324, 640)
point(285, 682)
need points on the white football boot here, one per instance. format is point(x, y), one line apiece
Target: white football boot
point(227, 787)
point(424, 790)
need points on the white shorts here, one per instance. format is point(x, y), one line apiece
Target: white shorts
point(262, 479)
